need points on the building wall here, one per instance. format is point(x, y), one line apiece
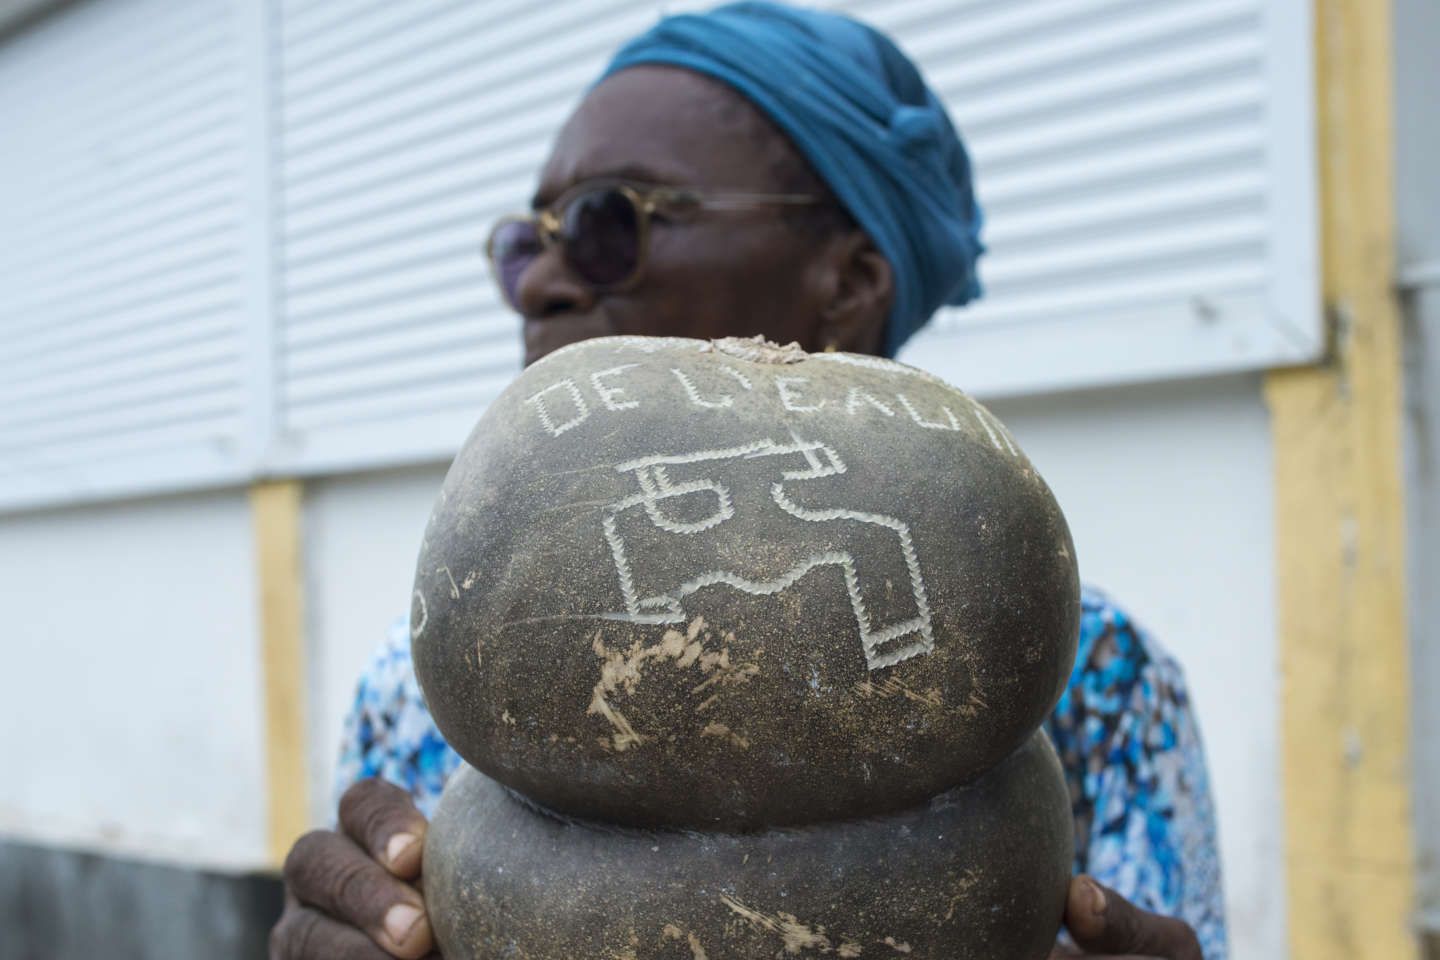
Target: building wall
point(1168, 492)
point(132, 708)
point(1167, 489)
point(1417, 188)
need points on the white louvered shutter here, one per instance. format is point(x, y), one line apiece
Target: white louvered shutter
point(1146, 167)
point(121, 360)
point(405, 130)
point(243, 238)
point(1148, 177)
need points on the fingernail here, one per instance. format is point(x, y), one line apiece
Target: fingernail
point(397, 847)
point(1097, 898)
point(400, 920)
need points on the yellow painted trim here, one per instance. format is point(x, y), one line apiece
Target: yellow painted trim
point(275, 514)
point(1345, 705)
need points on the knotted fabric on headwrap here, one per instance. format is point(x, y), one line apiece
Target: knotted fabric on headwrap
point(860, 112)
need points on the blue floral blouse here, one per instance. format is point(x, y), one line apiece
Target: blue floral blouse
point(1124, 729)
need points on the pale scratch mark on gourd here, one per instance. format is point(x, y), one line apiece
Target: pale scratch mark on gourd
point(974, 705)
point(617, 670)
point(576, 505)
point(962, 888)
point(891, 686)
point(549, 618)
point(550, 476)
point(722, 673)
point(469, 580)
point(899, 946)
point(672, 932)
point(622, 671)
point(454, 589)
point(795, 936)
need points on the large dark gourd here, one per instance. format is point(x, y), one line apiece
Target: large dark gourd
point(749, 648)
point(924, 882)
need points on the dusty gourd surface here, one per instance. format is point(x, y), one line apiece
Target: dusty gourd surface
point(791, 620)
point(977, 873)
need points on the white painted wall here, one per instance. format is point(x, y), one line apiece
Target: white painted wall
point(131, 720)
point(1417, 192)
point(1168, 491)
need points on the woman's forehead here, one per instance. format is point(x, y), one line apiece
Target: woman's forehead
point(666, 125)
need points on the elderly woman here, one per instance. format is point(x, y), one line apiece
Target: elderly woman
point(763, 169)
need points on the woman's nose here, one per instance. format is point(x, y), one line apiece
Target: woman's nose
point(549, 288)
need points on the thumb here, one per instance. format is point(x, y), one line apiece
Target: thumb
point(1102, 921)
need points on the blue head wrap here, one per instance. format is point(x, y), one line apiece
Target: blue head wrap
point(860, 112)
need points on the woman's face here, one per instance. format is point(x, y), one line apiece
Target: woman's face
point(719, 274)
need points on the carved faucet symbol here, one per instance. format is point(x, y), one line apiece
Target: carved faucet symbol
point(870, 548)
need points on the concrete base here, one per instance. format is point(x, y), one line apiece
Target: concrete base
point(63, 905)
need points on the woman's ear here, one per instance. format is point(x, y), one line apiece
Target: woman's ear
point(857, 296)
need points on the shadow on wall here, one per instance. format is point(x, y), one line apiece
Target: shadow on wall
point(61, 905)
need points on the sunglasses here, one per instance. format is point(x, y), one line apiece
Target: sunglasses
point(602, 229)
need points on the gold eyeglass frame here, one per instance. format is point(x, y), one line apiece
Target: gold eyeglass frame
point(647, 199)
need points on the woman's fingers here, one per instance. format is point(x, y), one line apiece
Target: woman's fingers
point(383, 819)
point(329, 873)
point(1101, 921)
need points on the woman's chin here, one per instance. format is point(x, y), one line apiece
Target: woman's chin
point(546, 335)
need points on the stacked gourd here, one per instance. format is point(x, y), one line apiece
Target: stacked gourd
point(747, 651)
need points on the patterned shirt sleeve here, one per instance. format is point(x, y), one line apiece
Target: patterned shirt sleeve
point(389, 732)
point(1140, 791)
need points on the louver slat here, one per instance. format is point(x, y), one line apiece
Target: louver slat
point(1146, 177)
point(122, 366)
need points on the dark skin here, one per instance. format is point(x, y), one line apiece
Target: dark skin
point(722, 274)
point(355, 892)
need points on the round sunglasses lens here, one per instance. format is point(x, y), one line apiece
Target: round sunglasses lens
point(602, 236)
point(513, 247)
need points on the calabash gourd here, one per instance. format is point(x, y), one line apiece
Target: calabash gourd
point(747, 649)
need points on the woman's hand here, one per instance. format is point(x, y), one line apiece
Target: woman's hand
point(1106, 926)
point(354, 894)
